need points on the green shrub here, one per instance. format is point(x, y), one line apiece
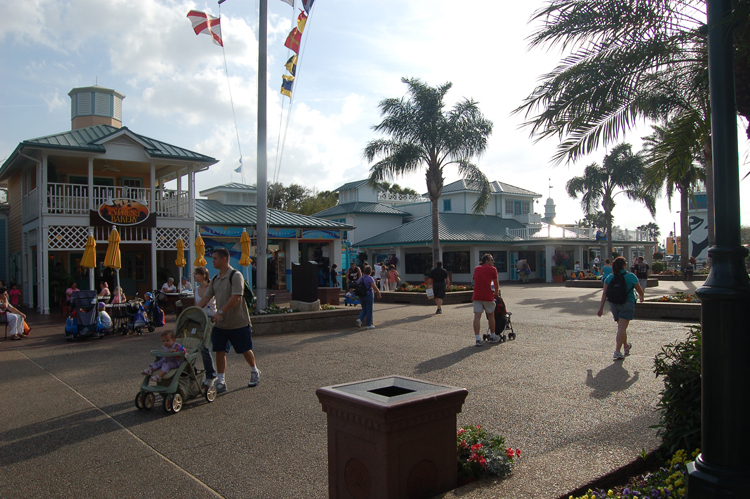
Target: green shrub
point(658, 267)
point(680, 400)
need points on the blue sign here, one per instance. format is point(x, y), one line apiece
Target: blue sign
point(320, 234)
point(282, 233)
point(217, 231)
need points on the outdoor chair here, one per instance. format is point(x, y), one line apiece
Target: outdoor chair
point(4, 320)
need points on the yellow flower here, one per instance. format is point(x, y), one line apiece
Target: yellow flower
point(681, 492)
point(679, 482)
point(610, 493)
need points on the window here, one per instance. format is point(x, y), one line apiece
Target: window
point(525, 208)
point(530, 257)
point(500, 257)
point(446, 205)
point(457, 262)
point(508, 207)
point(132, 182)
point(418, 263)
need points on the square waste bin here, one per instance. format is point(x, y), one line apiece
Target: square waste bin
point(391, 437)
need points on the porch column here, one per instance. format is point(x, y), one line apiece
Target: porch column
point(579, 254)
point(191, 192)
point(190, 244)
point(292, 256)
point(179, 192)
point(152, 201)
point(153, 253)
point(401, 265)
point(41, 185)
point(549, 254)
point(91, 188)
point(40, 264)
point(335, 257)
point(27, 273)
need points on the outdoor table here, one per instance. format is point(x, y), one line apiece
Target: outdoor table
point(171, 299)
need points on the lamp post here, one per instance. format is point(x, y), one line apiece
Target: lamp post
point(722, 470)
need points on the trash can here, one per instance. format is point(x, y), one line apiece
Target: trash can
point(391, 437)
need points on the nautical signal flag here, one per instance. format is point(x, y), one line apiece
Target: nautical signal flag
point(307, 5)
point(290, 2)
point(291, 65)
point(208, 25)
point(301, 21)
point(292, 41)
point(286, 85)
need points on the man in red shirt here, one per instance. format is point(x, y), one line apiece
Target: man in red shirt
point(484, 297)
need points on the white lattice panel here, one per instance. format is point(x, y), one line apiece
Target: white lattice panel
point(67, 237)
point(166, 237)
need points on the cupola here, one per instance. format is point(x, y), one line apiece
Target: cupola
point(95, 105)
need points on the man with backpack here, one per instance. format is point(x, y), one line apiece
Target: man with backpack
point(641, 271)
point(619, 290)
point(232, 318)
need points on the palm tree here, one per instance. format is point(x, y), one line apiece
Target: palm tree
point(422, 134)
point(670, 162)
point(621, 172)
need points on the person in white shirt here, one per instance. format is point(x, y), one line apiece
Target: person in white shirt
point(377, 276)
point(185, 284)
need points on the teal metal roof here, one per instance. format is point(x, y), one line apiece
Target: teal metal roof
point(452, 228)
point(361, 207)
point(351, 185)
point(208, 211)
point(91, 139)
point(497, 188)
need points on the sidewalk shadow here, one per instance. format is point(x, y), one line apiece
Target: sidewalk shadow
point(449, 359)
point(569, 305)
point(614, 378)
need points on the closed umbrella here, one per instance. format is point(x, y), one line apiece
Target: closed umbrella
point(112, 258)
point(180, 262)
point(200, 252)
point(245, 258)
point(89, 259)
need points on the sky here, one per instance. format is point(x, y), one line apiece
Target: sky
point(354, 54)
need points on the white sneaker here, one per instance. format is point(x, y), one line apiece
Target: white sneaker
point(370, 327)
point(254, 378)
point(479, 343)
point(494, 338)
point(617, 356)
point(359, 323)
point(627, 348)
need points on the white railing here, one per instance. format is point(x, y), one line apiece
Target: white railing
point(557, 232)
point(400, 198)
point(524, 233)
point(73, 199)
point(30, 206)
point(133, 234)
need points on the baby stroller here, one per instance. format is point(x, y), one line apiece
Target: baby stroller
point(351, 299)
point(86, 323)
point(503, 324)
point(193, 331)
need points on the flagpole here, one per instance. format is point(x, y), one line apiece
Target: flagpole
point(261, 226)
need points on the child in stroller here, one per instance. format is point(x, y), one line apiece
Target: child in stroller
point(502, 323)
point(350, 298)
point(163, 365)
point(84, 321)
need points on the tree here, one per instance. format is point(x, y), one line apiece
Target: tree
point(397, 189)
point(595, 220)
point(621, 172)
point(652, 228)
point(422, 134)
point(318, 201)
point(670, 163)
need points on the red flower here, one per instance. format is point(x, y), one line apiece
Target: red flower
point(463, 444)
point(476, 447)
point(510, 452)
point(518, 452)
point(482, 462)
point(478, 427)
point(461, 431)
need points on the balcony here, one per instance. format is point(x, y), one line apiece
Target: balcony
point(559, 232)
point(73, 199)
point(392, 197)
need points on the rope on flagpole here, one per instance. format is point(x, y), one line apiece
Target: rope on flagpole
point(231, 101)
point(291, 100)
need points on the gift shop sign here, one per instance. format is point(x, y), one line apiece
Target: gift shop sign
point(123, 212)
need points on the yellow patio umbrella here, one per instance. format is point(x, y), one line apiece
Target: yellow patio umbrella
point(180, 262)
point(200, 252)
point(89, 258)
point(112, 258)
point(245, 241)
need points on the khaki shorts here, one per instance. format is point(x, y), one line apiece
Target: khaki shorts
point(484, 306)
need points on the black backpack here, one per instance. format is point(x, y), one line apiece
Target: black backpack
point(361, 290)
point(617, 289)
point(247, 292)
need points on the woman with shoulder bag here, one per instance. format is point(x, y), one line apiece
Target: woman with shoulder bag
point(368, 300)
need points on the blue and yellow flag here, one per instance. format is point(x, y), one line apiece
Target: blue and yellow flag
point(286, 85)
point(291, 65)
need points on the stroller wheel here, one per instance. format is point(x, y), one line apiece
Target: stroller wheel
point(210, 393)
point(176, 402)
point(151, 328)
point(511, 336)
point(139, 401)
point(486, 337)
point(167, 404)
point(149, 399)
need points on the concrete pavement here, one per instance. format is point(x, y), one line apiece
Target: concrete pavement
point(69, 428)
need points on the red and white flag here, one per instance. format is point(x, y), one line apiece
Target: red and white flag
point(209, 25)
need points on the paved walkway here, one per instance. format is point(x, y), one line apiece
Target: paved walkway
point(68, 426)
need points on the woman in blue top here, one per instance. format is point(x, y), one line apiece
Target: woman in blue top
point(369, 299)
point(607, 268)
point(622, 313)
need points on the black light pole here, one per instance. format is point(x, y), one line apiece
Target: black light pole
point(722, 470)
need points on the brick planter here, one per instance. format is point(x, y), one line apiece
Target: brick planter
point(655, 310)
point(696, 277)
point(650, 283)
point(302, 322)
point(451, 298)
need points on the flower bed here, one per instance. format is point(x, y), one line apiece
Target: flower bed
point(422, 288)
point(482, 455)
point(302, 322)
point(677, 298)
point(272, 310)
point(668, 481)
